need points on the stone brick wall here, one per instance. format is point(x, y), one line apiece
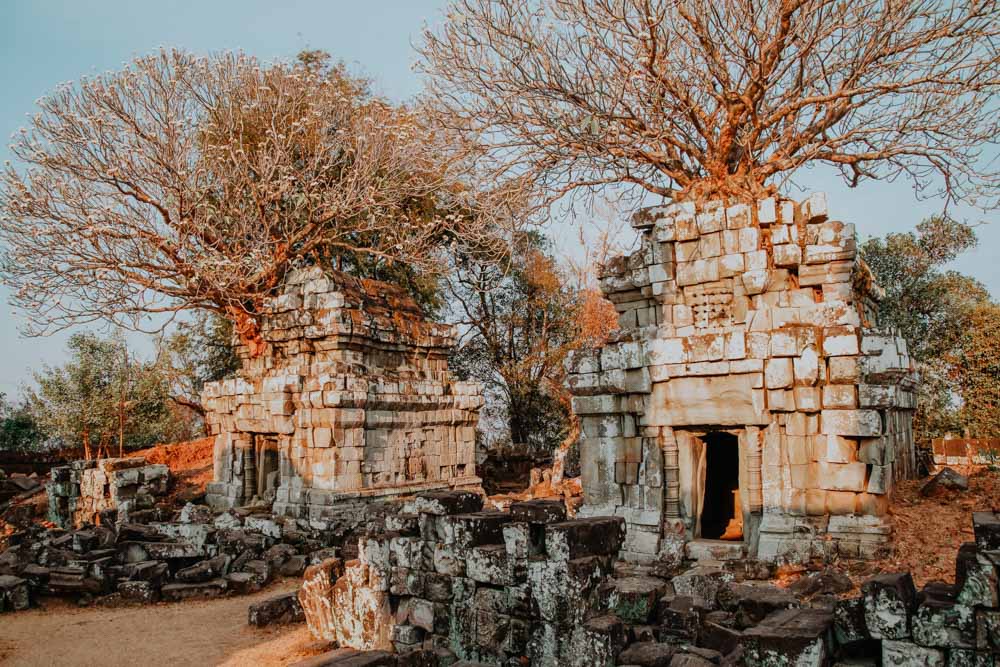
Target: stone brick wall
point(352, 400)
point(754, 320)
point(81, 491)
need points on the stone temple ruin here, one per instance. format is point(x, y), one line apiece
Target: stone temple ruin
point(749, 394)
point(352, 401)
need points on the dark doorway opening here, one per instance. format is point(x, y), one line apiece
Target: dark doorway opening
point(720, 515)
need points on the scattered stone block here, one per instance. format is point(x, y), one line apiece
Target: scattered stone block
point(946, 478)
point(277, 610)
point(889, 601)
point(632, 599)
point(986, 526)
point(144, 592)
point(794, 637)
point(906, 654)
point(205, 589)
point(15, 594)
point(648, 654)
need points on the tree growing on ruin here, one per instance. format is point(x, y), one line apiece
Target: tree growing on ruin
point(183, 182)
point(696, 99)
point(199, 350)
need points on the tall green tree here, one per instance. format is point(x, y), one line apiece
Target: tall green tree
point(932, 307)
point(976, 365)
point(103, 399)
point(199, 350)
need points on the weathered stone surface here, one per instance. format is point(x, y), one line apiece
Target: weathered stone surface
point(139, 591)
point(939, 621)
point(347, 610)
point(279, 609)
point(889, 601)
point(986, 526)
point(702, 583)
point(946, 478)
point(596, 536)
point(988, 630)
point(849, 624)
point(750, 604)
point(316, 597)
point(907, 654)
point(14, 593)
point(977, 578)
point(648, 654)
point(441, 503)
point(632, 599)
point(538, 511)
point(794, 637)
point(205, 589)
point(597, 642)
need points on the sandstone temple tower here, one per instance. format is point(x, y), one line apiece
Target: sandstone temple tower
point(351, 401)
point(749, 394)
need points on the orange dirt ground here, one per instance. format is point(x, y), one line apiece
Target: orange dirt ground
point(928, 531)
point(190, 464)
point(203, 632)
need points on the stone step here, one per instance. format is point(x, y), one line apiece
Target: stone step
point(717, 550)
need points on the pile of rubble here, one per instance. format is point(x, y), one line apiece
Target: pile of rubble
point(16, 485)
point(446, 581)
point(82, 491)
point(158, 554)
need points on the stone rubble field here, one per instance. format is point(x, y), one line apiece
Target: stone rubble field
point(448, 584)
point(436, 580)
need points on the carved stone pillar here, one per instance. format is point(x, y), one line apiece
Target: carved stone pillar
point(671, 474)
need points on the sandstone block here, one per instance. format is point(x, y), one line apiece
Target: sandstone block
point(858, 423)
point(778, 373)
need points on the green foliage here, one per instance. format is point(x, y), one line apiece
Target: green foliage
point(934, 309)
point(104, 398)
point(925, 302)
point(18, 430)
point(976, 364)
point(199, 350)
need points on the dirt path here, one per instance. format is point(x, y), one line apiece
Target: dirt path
point(209, 632)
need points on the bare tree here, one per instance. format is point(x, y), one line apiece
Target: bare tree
point(690, 99)
point(184, 182)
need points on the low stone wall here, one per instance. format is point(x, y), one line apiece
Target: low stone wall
point(966, 451)
point(80, 492)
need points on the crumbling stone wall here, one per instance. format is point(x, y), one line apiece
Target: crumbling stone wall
point(352, 400)
point(489, 586)
point(81, 492)
point(757, 321)
point(446, 581)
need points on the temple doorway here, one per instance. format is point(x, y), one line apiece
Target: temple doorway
point(721, 516)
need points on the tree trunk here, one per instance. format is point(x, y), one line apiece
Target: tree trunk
point(248, 330)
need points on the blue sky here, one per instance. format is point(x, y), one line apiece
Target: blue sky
point(46, 42)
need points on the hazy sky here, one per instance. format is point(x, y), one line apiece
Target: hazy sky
point(46, 42)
